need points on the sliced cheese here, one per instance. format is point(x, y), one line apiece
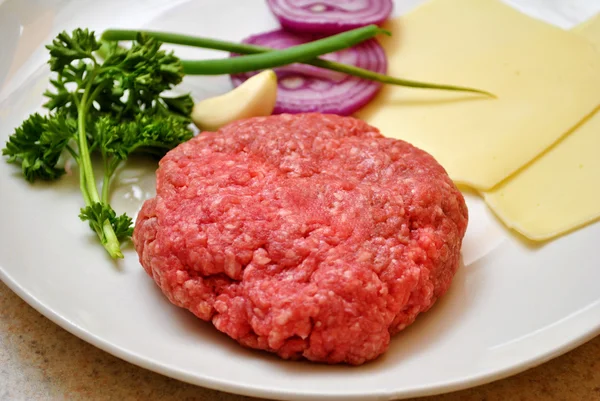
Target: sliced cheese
point(560, 190)
point(546, 80)
point(590, 29)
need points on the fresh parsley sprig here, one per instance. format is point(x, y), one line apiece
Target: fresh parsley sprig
point(113, 107)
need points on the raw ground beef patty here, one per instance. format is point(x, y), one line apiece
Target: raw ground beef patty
point(306, 235)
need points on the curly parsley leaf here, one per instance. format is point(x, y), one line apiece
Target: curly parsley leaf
point(37, 145)
point(147, 133)
point(98, 214)
point(141, 74)
point(65, 48)
point(180, 105)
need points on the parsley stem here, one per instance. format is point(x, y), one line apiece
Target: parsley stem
point(87, 180)
point(76, 101)
point(109, 169)
point(82, 171)
point(112, 244)
point(84, 151)
point(95, 93)
point(82, 186)
point(105, 181)
point(72, 152)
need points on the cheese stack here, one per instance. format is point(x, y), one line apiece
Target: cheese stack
point(530, 151)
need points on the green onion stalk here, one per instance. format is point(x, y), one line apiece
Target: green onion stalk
point(259, 57)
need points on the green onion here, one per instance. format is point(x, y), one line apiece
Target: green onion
point(190, 67)
point(287, 56)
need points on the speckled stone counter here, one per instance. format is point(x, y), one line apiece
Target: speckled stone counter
point(41, 361)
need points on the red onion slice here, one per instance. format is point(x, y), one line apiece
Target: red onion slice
point(304, 88)
point(329, 16)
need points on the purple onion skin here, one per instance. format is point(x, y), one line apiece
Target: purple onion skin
point(321, 90)
point(321, 24)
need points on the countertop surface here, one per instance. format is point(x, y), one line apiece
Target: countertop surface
point(41, 361)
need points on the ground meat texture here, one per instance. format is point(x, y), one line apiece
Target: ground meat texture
point(305, 235)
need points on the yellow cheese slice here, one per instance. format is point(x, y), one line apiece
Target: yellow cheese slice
point(590, 29)
point(560, 190)
point(546, 80)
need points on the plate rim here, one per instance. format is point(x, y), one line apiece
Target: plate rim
point(230, 386)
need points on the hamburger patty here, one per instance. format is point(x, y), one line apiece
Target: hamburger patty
point(306, 235)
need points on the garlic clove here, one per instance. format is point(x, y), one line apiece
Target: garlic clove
point(255, 97)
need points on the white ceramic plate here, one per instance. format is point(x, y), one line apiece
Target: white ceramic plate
point(512, 306)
